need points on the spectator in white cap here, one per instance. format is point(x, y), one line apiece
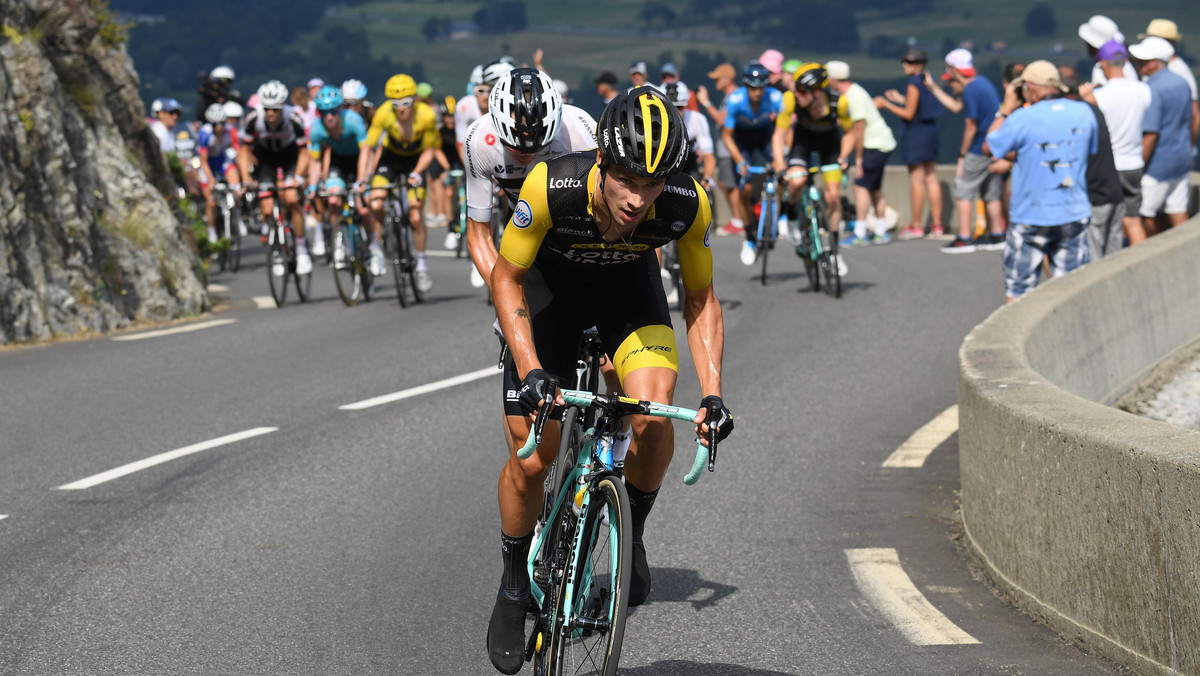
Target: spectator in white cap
point(870, 139)
point(978, 103)
point(1124, 102)
point(1166, 135)
point(1167, 30)
point(1052, 139)
point(1095, 32)
point(639, 72)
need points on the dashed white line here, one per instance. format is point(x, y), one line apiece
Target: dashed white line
point(218, 288)
point(883, 581)
point(423, 389)
point(264, 302)
point(164, 457)
point(3, 517)
point(187, 328)
point(916, 450)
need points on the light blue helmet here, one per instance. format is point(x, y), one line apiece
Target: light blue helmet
point(329, 98)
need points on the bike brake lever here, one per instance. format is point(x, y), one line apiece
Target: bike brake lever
point(543, 414)
point(712, 441)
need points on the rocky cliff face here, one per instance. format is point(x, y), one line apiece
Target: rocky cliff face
point(87, 239)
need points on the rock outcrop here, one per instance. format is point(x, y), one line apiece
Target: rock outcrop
point(88, 240)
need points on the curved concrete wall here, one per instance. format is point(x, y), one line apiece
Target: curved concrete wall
point(1089, 517)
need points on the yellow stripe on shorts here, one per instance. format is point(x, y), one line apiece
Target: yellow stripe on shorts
point(652, 345)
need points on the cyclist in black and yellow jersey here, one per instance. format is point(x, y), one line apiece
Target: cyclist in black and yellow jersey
point(814, 130)
point(579, 251)
point(400, 145)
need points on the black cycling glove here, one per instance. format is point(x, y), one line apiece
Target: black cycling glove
point(537, 387)
point(719, 417)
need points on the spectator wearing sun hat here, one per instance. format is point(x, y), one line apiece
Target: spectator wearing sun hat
point(868, 136)
point(1052, 139)
point(773, 60)
point(976, 98)
point(1095, 32)
point(1124, 102)
point(1167, 30)
point(1166, 135)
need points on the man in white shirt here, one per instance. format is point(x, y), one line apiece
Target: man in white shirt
point(1167, 30)
point(1124, 102)
point(868, 136)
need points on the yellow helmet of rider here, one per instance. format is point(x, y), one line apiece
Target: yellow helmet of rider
point(400, 86)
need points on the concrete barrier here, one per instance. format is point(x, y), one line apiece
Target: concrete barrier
point(1087, 516)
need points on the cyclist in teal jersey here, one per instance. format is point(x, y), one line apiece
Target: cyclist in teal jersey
point(335, 140)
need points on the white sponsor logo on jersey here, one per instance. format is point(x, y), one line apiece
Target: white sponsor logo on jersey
point(523, 215)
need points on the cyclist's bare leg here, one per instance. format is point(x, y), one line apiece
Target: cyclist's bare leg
point(376, 213)
point(418, 225)
point(334, 200)
point(650, 456)
point(521, 481)
point(291, 203)
point(833, 203)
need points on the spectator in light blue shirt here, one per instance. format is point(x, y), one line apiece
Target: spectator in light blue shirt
point(1050, 211)
point(1166, 135)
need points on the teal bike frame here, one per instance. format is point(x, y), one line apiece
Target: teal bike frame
point(817, 245)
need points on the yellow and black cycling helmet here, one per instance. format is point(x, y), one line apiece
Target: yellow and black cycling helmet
point(643, 132)
point(812, 76)
point(400, 87)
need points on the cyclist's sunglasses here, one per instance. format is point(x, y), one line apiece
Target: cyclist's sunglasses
point(331, 113)
point(404, 103)
point(483, 90)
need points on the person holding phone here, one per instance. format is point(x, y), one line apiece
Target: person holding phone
point(919, 109)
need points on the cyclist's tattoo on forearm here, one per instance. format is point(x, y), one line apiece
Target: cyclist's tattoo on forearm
point(523, 311)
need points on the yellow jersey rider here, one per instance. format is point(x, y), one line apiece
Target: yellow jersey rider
point(579, 251)
point(400, 145)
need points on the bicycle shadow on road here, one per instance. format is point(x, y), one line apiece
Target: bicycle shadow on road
point(682, 668)
point(680, 585)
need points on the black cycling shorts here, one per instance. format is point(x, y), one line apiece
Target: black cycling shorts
point(828, 146)
point(269, 164)
point(617, 304)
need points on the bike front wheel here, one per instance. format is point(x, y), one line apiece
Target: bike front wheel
point(347, 268)
point(278, 267)
point(587, 637)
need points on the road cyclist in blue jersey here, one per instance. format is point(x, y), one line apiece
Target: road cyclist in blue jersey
point(335, 140)
point(749, 124)
point(217, 145)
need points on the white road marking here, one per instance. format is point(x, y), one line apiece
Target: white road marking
point(436, 253)
point(3, 516)
point(885, 584)
point(218, 288)
point(164, 457)
point(187, 328)
point(423, 389)
point(913, 453)
point(264, 302)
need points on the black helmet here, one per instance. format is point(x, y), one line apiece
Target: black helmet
point(642, 131)
point(755, 75)
point(812, 76)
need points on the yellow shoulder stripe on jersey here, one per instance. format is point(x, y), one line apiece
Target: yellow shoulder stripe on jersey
point(647, 101)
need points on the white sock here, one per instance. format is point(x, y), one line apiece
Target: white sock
point(737, 222)
point(881, 226)
point(301, 245)
point(860, 228)
point(421, 261)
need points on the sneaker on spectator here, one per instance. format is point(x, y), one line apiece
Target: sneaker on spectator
point(855, 240)
point(881, 238)
point(937, 232)
point(749, 255)
point(991, 241)
point(730, 229)
point(912, 232)
point(958, 245)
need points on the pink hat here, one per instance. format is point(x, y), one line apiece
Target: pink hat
point(773, 60)
point(316, 82)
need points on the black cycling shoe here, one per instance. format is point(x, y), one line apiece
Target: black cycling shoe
point(639, 577)
point(506, 634)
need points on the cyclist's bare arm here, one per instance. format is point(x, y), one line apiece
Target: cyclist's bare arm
point(244, 159)
point(512, 309)
point(727, 139)
point(778, 144)
point(482, 248)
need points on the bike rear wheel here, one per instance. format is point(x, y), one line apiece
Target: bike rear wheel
point(303, 282)
point(587, 638)
point(829, 268)
point(398, 256)
point(278, 266)
point(347, 274)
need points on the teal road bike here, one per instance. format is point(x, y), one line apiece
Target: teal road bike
point(581, 556)
point(815, 244)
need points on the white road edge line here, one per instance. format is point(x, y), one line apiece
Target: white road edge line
point(264, 302)
point(187, 328)
point(916, 450)
point(218, 288)
point(164, 457)
point(885, 584)
point(423, 389)
point(3, 516)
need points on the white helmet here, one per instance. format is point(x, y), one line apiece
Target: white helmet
point(215, 113)
point(221, 73)
point(272, 94)
point(493, 72)
point(677, 92)
point(476, 77)
point(353, 91)
point(233, 109)
point(525, 109)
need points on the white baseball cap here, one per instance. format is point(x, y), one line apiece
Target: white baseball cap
point(838, 70)
point(1152, 48)
point(962, 61)
point(1098, 30)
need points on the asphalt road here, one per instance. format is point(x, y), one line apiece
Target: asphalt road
point(366, 541)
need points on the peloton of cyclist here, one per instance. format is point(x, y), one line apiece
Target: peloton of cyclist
point(579, 252)
point(750, 117)
point(217, 144)
point(527, 122)
point(273, 139)
point(814, 130)
point(335, 143)
point(400, 145)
